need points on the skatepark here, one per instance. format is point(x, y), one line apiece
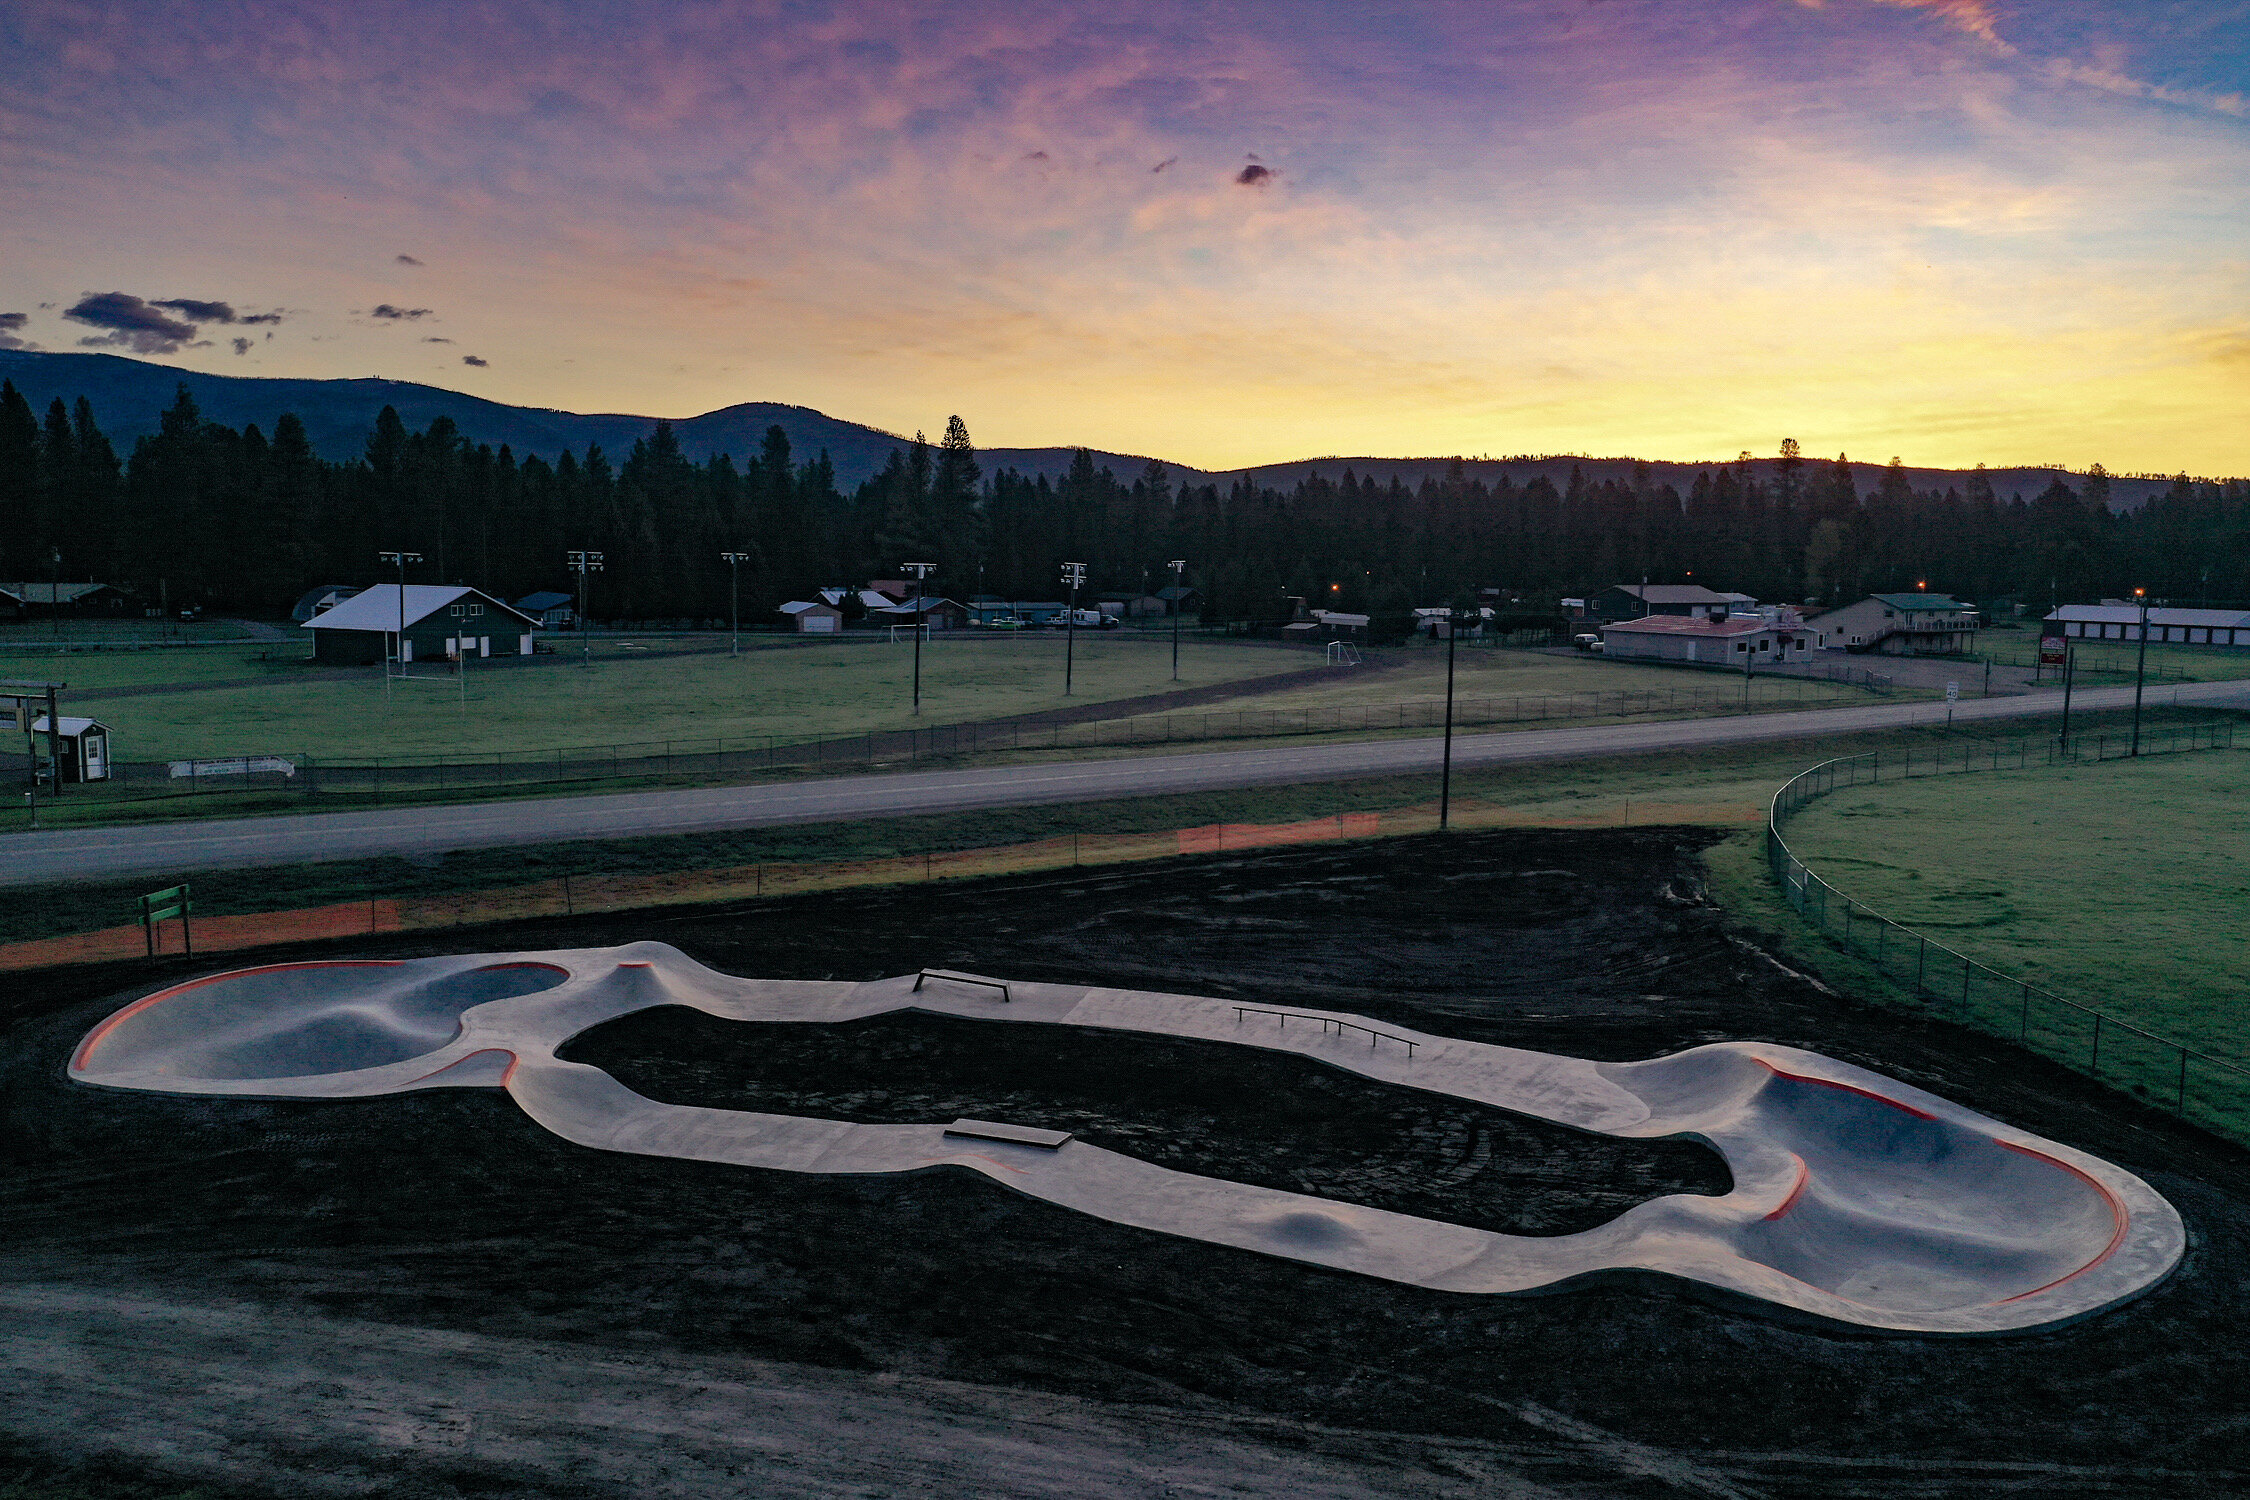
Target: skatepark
point(1560, 1248)
point(1855, 1197)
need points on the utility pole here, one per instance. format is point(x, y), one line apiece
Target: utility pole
point(1445, 774)
point(1073, 574)
point(1178, 565)
point(2140, 671)
point(398, 646)
point(921, 571)
point(734, 562)
point(54, 588)
point(2070, 675)
point(582, 563)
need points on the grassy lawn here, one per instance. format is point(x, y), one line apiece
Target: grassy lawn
point(43, 635)
point(2109, 659)
point(95, 671)
point(1416, 673)
point(791, 693)
point(2123, 885)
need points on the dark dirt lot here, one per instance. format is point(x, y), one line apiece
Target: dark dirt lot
point(451, 1216)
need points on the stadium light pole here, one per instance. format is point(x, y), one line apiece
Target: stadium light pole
point(2140, 671)
point(582, 563)
point(54, 588)
point(734, 562)
point(398, 649)
point(920, 571)
point(1178, 565)
point(1445, 774)
point(1073, 574)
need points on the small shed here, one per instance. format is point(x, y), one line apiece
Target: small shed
point(85, 747)
point(814, 617)
point(1180, 600)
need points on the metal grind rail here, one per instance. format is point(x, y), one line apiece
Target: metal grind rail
point(1328, 1025)
point(2210, 1091)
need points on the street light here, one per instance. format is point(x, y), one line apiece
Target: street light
point(1178, 565)
point(1445, 774)
point(582, 563)
point(734, 562)
point(2140, 671)
point(921, 622)
point(1073, 574)
point(398, 646)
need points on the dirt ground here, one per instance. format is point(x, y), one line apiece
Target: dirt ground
point(430, 1296)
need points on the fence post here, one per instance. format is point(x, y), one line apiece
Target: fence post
point(2180, 1108)
point(1965, 967)
point(2095, 1067)
point(1921, 963)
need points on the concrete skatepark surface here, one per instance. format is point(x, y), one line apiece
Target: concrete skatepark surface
point(1856, 1198)
point(427, 1296)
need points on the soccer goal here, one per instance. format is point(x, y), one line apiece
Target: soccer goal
point(908, 633)
point(1343, 653)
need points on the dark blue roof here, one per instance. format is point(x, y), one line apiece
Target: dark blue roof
point(540, 603)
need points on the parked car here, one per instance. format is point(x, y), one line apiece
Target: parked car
point(1587, 642)
point(1002, 622)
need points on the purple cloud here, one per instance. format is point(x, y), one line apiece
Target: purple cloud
point(198, 312)
point(406, 260)
point(131, 323)
point(408, 314)
point(10, 324)
point(1255, 175)
point(471, 359)
point(242, 346)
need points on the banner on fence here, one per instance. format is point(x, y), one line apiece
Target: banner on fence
point(235, 765)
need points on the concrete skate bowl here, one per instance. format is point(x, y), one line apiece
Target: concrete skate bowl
point(1855, 1198)
point(302, 1020)
point(1890, 1204)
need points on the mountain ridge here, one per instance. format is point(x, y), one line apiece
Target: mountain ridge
point(129, 395)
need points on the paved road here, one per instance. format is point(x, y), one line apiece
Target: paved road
point(83, 854)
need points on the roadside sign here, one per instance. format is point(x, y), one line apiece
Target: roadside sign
point(1953, 692)
point(2052, 649)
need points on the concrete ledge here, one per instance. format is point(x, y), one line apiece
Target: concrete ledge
point(1014, 1135)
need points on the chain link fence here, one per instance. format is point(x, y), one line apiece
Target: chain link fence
point(730, 758)
point(2187, 1081)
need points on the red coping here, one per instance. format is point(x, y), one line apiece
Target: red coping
point(1804, 1180)
point(2117, 1209)
point(95, 1037)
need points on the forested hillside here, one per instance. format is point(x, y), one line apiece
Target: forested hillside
point(245, 519)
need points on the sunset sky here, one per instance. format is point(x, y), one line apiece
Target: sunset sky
point(1958, 231)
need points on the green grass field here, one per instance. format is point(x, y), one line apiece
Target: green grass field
point(2123, 885)
point(791, 693)
point(2107, 660)
point(45, 635)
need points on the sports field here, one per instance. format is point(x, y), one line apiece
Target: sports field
point(791, 693)
point(2124, 885)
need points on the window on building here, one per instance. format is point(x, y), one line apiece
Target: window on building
point(455, 611)
point(475, 609)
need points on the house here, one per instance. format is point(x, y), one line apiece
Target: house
point(2120, 620)
point(553, 611)
point(88, 598)
point(1130, 606)
point(11, 605)
point(1739, 641)
point(814, 616)
point(321, 600)
point(1179, 600)
point(429, 620)
point(933, 610)
point(1632, 601)
point(1899, 625)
